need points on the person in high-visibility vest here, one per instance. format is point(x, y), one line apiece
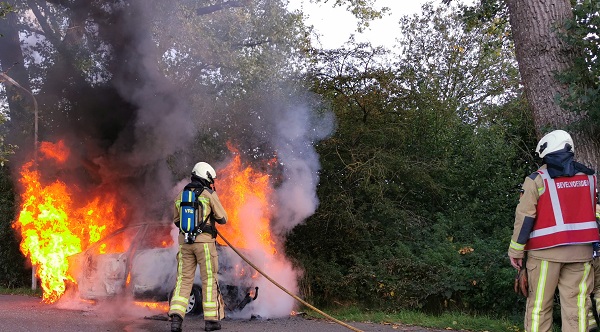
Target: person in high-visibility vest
point(555, 226)
point(199, 249)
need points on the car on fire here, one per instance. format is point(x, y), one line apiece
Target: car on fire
point(140, 260)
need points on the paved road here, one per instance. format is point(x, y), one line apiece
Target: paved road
point(24, 313)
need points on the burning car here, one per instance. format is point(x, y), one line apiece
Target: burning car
point(140, 260)
point(72, 233)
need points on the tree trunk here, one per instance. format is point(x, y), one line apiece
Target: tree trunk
point(21, 107)
point(541, 53)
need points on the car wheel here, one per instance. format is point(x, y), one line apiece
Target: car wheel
point(194, 302)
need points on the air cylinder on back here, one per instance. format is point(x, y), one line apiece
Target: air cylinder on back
point(188, 215)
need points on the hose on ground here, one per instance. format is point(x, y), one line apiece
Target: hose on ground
point(285, 290)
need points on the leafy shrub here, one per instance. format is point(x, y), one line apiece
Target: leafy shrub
point(13, 271)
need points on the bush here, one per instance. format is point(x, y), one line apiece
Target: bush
point(425, 226)
point(13, 272)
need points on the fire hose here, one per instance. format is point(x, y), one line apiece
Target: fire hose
point(285, 290)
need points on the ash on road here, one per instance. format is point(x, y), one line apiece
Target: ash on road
point(25, 313)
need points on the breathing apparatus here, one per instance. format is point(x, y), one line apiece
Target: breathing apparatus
point(193, 206)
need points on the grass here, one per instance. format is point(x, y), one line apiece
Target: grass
point(21, 291)
point(446, 321)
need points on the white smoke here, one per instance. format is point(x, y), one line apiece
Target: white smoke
point(297, 131)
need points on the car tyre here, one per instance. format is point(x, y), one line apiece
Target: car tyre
point(194, 302)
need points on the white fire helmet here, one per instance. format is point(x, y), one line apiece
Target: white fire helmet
point(204, 171)
point(554, 141)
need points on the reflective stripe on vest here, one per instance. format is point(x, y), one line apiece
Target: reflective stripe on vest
point(565, 212)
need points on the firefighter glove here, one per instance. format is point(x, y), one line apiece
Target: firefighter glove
point(521, 283)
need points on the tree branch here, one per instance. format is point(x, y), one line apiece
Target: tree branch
point(220, 6)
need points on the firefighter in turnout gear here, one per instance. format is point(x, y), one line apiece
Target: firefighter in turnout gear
point(555, 227)
point(197, 247)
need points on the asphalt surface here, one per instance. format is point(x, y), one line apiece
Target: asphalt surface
point(24, 313)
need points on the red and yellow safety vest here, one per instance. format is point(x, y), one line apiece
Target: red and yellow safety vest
point(565, 212)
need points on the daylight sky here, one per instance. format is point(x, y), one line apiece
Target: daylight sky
point(335, 25)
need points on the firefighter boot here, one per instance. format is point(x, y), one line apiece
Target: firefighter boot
point(176, 321)
point(212, 325)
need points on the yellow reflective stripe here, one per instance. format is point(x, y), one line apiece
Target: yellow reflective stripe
point(177, 307)
point(189, 224)
point(209, 272)
point(177, 292)
point(582, 297)
point(178, 204)
point(211, 313)
point(178, 298)
point(205, 204)
point(539, 297)
point(517, 246)
point(209, 304)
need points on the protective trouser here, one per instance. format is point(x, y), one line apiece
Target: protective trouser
point(574, 282)
point(205, 255)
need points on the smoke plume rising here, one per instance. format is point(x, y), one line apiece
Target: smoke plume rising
point(135, 126)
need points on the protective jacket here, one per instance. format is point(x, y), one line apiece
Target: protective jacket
point(565, 212)
point(213, 212)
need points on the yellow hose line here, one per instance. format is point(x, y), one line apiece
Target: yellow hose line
point(285, 290)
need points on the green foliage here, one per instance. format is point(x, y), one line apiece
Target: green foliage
point(449, 321)
point(422, 232)
point(419, 182)
point(583, 34)
point(13, 272)
point(12, 265)
point(5, 8)
point(238, 62)
point(486, 11)
point(363, 10)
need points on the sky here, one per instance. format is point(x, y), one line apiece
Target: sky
point(335, 25)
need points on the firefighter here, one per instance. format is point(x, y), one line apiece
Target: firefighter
point(200, 251)
point(555, 225)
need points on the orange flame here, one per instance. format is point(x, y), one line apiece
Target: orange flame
point(58, 151)
point(162, 306)
point(53, 226)
point(247, 199)
point(57, 220)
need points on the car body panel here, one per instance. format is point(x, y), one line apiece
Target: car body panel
point(141, 260)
